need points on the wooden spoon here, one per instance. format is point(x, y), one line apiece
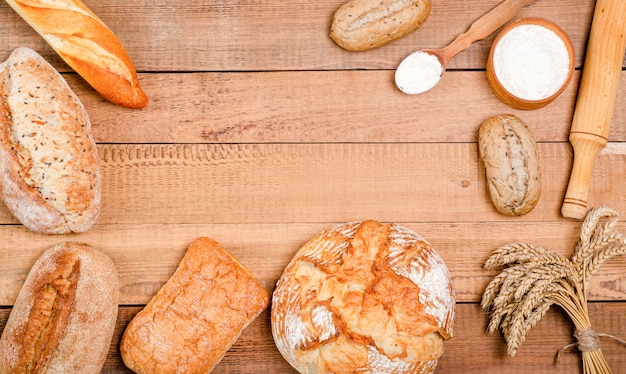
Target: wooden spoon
point(421, 70)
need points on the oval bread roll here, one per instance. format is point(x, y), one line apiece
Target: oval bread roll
point(359, 25)
point(509, 152)
point(364, 297)
point(64, 316)
point(49, 165)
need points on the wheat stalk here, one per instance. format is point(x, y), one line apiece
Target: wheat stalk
point(604, 254)
point(532, 279)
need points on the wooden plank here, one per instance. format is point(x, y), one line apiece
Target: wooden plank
point(261, 132)
point(286, 183)
point(248, 35)
point(338, 106)
point(255, 352)
point(147, 255)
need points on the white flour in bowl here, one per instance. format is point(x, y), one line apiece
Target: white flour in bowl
point(531, 62)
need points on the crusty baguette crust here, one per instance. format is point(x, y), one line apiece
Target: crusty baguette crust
point(190, 324)
point(64, 316)
point(364, 297)
point(87, 45)
point(49, 166)
point(360, 25)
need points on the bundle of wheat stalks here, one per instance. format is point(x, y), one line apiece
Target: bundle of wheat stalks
point(533, 279)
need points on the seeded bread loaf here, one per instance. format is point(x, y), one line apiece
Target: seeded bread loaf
point(86, 44)
point(364, 297)
point(64, 316)
point(359, 25)
point(49, 167)
point(509, 152)
point(190, 324)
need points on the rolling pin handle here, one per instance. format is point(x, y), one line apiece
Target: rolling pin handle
point(586, 148)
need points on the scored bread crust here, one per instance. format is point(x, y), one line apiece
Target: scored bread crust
point(360, 25)
point(87, 45)
point(64, 316)
point(194, 319)
point(509, 152)
point(364, 297)
point(49, 166)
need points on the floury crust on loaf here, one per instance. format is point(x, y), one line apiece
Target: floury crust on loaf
point(64, 316)
point(49, 165)
point(364, 297)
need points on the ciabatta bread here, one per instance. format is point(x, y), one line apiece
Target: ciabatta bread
point(190, 324)
point(364, 297)
point(49, 166)
point(86, 44)
point(64, 316)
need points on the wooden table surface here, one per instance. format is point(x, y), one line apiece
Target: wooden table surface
point(261, 132)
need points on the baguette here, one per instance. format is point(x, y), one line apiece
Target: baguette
point(49, 166)
point(87, 45)
point(64, 316)
point(196, 317)
point(360, 25)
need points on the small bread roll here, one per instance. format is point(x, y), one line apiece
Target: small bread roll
point(360, 25)
point(196, 317)
point(364, 297)
point(509, 152)
point(49, 166)
point(64, 316)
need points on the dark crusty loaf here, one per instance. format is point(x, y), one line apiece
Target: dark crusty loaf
point(190, 324)
point(49, 165)
point(364, 297)
point(87, 45)
point(64, 316)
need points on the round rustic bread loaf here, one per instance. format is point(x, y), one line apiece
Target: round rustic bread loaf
point(364, 297)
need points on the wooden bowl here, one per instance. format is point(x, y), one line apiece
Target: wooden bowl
point(508, 89)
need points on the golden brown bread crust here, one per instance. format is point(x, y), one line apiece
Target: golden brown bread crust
point(49, 166)
point(360, 25)
point(87, 45)
point(64, 316)
point(190, 324)
point(364, 297)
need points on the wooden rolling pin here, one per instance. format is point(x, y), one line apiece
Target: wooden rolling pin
point(596, 99)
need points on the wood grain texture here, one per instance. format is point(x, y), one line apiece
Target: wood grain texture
point(261, 132)
point(146, 255)
point(284, 107)
point(255, 352)
point(274, 35)
point(284, 183)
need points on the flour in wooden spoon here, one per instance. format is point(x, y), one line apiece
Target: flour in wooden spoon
point(418, 73)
